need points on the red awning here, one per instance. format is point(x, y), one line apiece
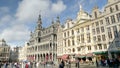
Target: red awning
point(64, 57)
point(89, 55)
point(59, 57)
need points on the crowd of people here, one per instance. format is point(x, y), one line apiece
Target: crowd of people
point(18, 65)
point(112, 63)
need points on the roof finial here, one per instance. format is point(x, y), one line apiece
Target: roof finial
point(39, 17)
point(52, 21)
point(80, 7)
point(58, 19)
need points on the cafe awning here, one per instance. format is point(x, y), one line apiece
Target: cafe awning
point(79, 56)
point(100, 52)
point(89, 55)
point(65, 56)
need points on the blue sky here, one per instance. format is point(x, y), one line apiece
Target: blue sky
point(19, 17)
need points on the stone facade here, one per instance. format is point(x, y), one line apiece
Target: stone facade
point(4, 51)
point(96, 34)
point(89, 35)
point(43, 42)
point(23, 53)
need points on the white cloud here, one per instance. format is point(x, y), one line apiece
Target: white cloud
point(58, 7)
point(27, 11)
point(5, 20)
point(15, 33)
point(30, 9)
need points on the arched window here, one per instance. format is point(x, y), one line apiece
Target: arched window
point(116, 6)
point(38, 39)
point(73, 50)
point(111, 10)
point(72, 32)
point(68, 42)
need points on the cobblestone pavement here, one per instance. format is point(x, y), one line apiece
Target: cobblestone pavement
point(72, 66)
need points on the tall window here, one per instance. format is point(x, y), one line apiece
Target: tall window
point(105, 46)
point(39, 40)
point(78, 48)
point(94, 38)
point(116, 6)
point(73, 42)
point(82, 38)
point(103, 37)
point(88, 37)
point(78, 31)
point(98, 30)
point(100, 46)
point(64, 34)
point(97, 23)
point(93, 31)
point(101, 22)
point(115, 31)
point(99, 38)
point(102, 29)
point(87, 28)
point(65, 43)
point(78, 39)
point(68, 42)
point(72, 32)
point(107, 20)
point(111, 10)
point(109, 33)
point(89, 47)
point(118, 17)
point(113, 19)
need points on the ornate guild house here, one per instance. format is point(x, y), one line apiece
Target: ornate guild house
point(42, 45)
